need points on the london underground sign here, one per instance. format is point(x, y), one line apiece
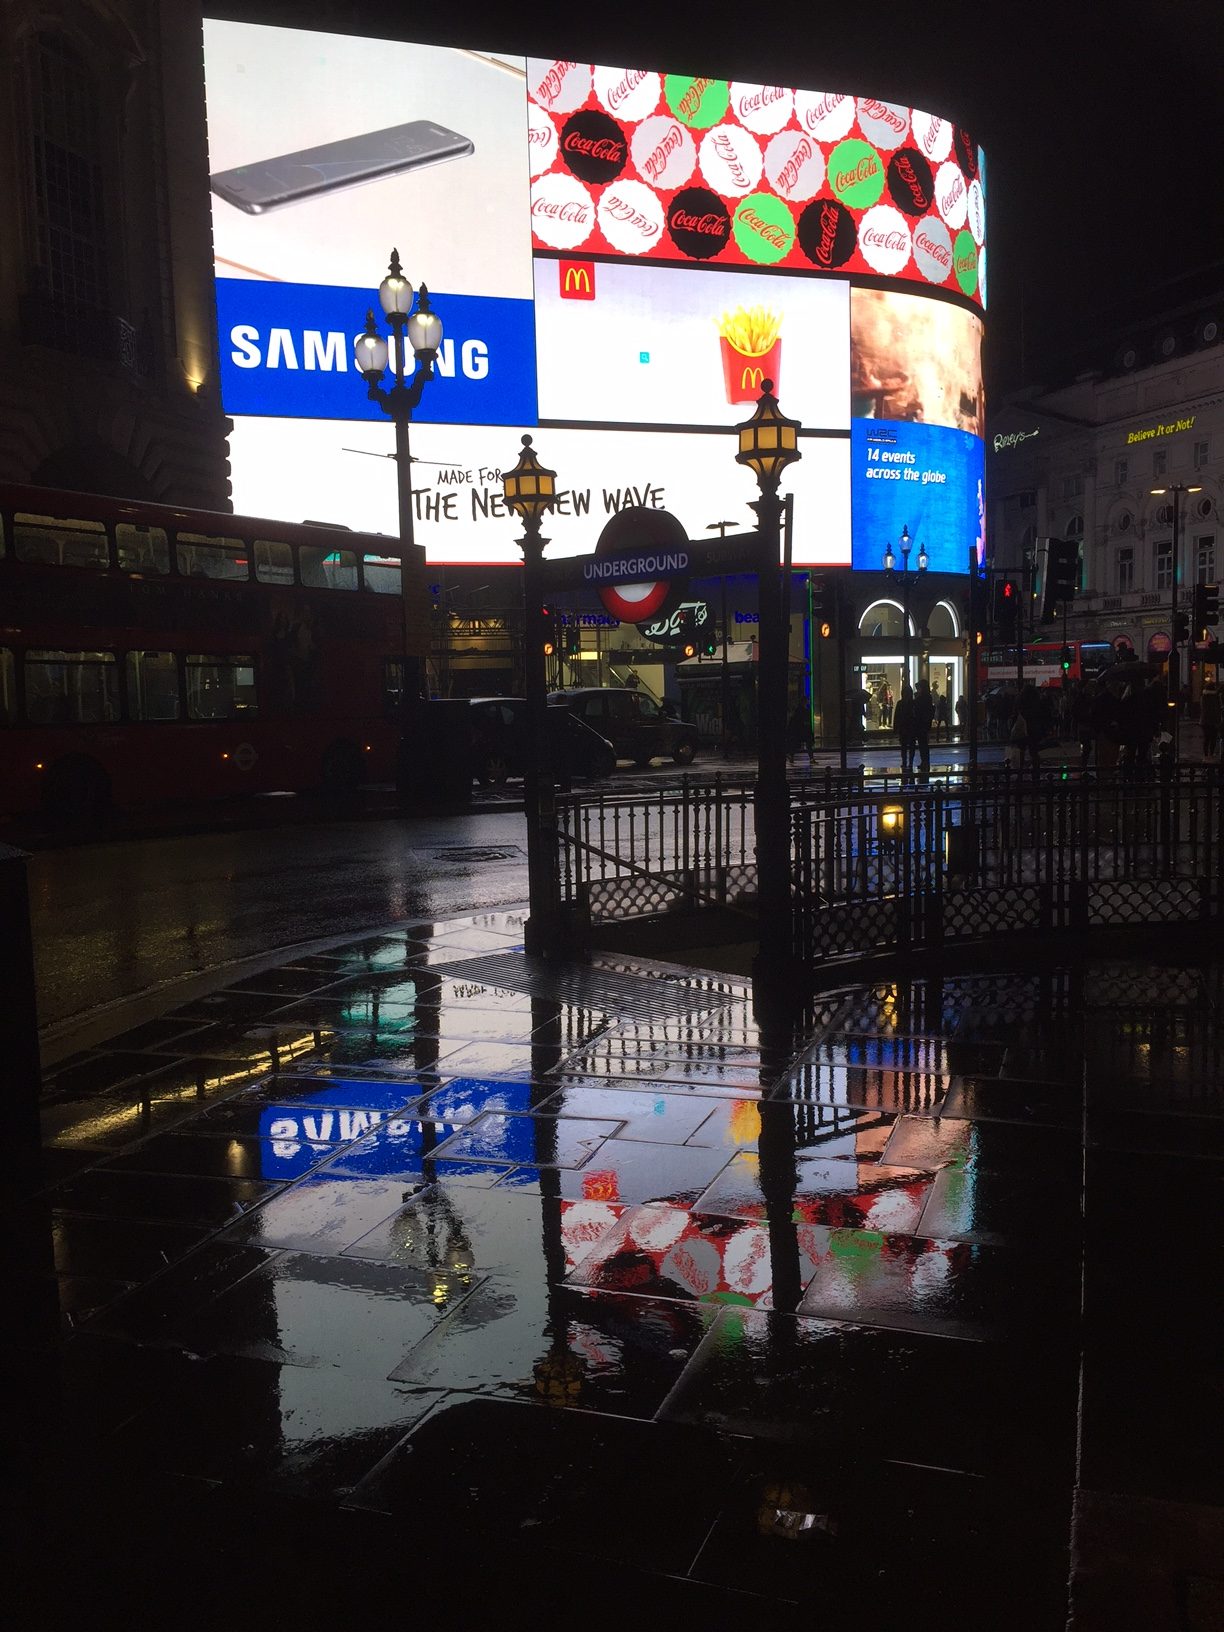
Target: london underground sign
point(641, 564)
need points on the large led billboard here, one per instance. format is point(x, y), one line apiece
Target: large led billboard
point(619, 258)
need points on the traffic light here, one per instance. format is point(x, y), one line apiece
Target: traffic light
point(573, 636)
point(709, 645)
point(821, 599)
point(688, 632)
point(1066, 661)
point(1205, 610)
point(1006, 606)
point(979, 605)
point(549, 615)
point(1181, 627)
point(1061, 574)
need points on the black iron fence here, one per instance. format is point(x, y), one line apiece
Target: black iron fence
point(879, 867)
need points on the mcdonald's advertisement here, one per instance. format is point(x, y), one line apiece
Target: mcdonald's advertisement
point(620, 259)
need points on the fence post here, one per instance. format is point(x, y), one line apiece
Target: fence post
point(19, 1026)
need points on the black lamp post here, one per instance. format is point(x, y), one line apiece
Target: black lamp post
point(529, 491)
point(768, 442)
point(1174, 670)
point(423, 330)
point(905, 578)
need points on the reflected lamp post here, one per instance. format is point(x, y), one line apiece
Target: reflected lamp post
point(422, 330)
point(905, 578)
point(530, 490)
point(768, 442)
point(1174, 670)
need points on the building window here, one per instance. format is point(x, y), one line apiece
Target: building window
point(1164, 563)
point(1160, 461)
point(1072, 487)
point(1204, 562)
point(1075, 527)
point(1124, 521)
point(66, 142)
point(1121, 472)
point(1201, 451)
point(1126, 569)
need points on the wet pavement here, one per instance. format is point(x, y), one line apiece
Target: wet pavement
point(415, 1278)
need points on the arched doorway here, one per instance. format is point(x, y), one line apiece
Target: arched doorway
point(875, 686)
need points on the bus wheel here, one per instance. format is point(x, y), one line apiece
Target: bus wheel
point(76, 792)
point(342, 768)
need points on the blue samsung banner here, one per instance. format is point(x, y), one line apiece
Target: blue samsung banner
point(287, 353)
point(927, 478)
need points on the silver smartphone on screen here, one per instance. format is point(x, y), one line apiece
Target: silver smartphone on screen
point(273, 183)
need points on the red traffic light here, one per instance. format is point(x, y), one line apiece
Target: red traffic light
point(1009, 589)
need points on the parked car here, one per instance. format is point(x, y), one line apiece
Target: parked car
point(500, 743)
point(632, 722)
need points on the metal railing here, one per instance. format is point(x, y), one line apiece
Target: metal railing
point(876, 866)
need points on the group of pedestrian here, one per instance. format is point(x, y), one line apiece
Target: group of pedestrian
point(912, 719)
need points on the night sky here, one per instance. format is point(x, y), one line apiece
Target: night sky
point(1103, 123)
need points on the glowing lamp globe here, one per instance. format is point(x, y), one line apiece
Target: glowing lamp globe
point(529, 489)
point(768, 442)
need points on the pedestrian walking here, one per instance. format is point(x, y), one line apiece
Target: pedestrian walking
point(1209, 714)
point(924, 714)
point(962, 713)
point(903, 720)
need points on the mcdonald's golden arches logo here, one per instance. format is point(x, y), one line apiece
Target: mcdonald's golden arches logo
point(751, 378)
point(577, 279)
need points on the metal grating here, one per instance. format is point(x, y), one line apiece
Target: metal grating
point(647, 996)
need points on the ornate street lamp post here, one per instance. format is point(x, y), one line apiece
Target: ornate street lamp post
point(905, 543)
point(422, 329)
point(530, 490)
point(768, 442)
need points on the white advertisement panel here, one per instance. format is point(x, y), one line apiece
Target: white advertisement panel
point(296, 466)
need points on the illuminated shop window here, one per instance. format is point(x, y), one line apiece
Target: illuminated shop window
point(152, 686)
point(220, 688)
point(54, 543)
point(273, 562)
point(71, 688)
point(328, 569)
point(142, 549)
point(202, 557)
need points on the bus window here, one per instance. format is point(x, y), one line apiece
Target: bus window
point(203, 557)
point(152, 686)
point(71, 688)
point(327, 569)
point(273, 562)
point(8, 687)
point(381, 574)
point(220, 688)
point(54, 543)
point(142, 549)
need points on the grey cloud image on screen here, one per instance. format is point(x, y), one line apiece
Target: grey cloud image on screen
point(290, 178)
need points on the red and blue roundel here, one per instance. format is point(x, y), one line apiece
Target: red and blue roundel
point(640, 565)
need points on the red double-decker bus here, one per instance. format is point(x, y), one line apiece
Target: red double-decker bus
point(151, 654)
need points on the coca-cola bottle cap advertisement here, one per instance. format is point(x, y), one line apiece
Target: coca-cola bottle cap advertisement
point(748, 174)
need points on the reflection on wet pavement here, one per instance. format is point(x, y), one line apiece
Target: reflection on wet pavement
point(760, 1319)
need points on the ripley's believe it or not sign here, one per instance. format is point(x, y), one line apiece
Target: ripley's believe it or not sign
point(619, 257)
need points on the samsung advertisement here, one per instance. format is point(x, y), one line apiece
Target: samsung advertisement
point(619, 258)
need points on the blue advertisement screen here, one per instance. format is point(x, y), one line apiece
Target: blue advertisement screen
point(287, 352)
point(924, 478)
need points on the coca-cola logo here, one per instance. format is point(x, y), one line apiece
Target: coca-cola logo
point(885, 240)
point(771, 231)
point(699, 223)
point(844, 180)
point(569, 210)
point(654, 163)
point(964, 151)
point(827, 234)
point(910, 183)
point(593, 145)
point(625, 86)
point(925, 241)
point(884, 115)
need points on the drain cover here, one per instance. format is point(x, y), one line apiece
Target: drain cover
point(477, 852)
